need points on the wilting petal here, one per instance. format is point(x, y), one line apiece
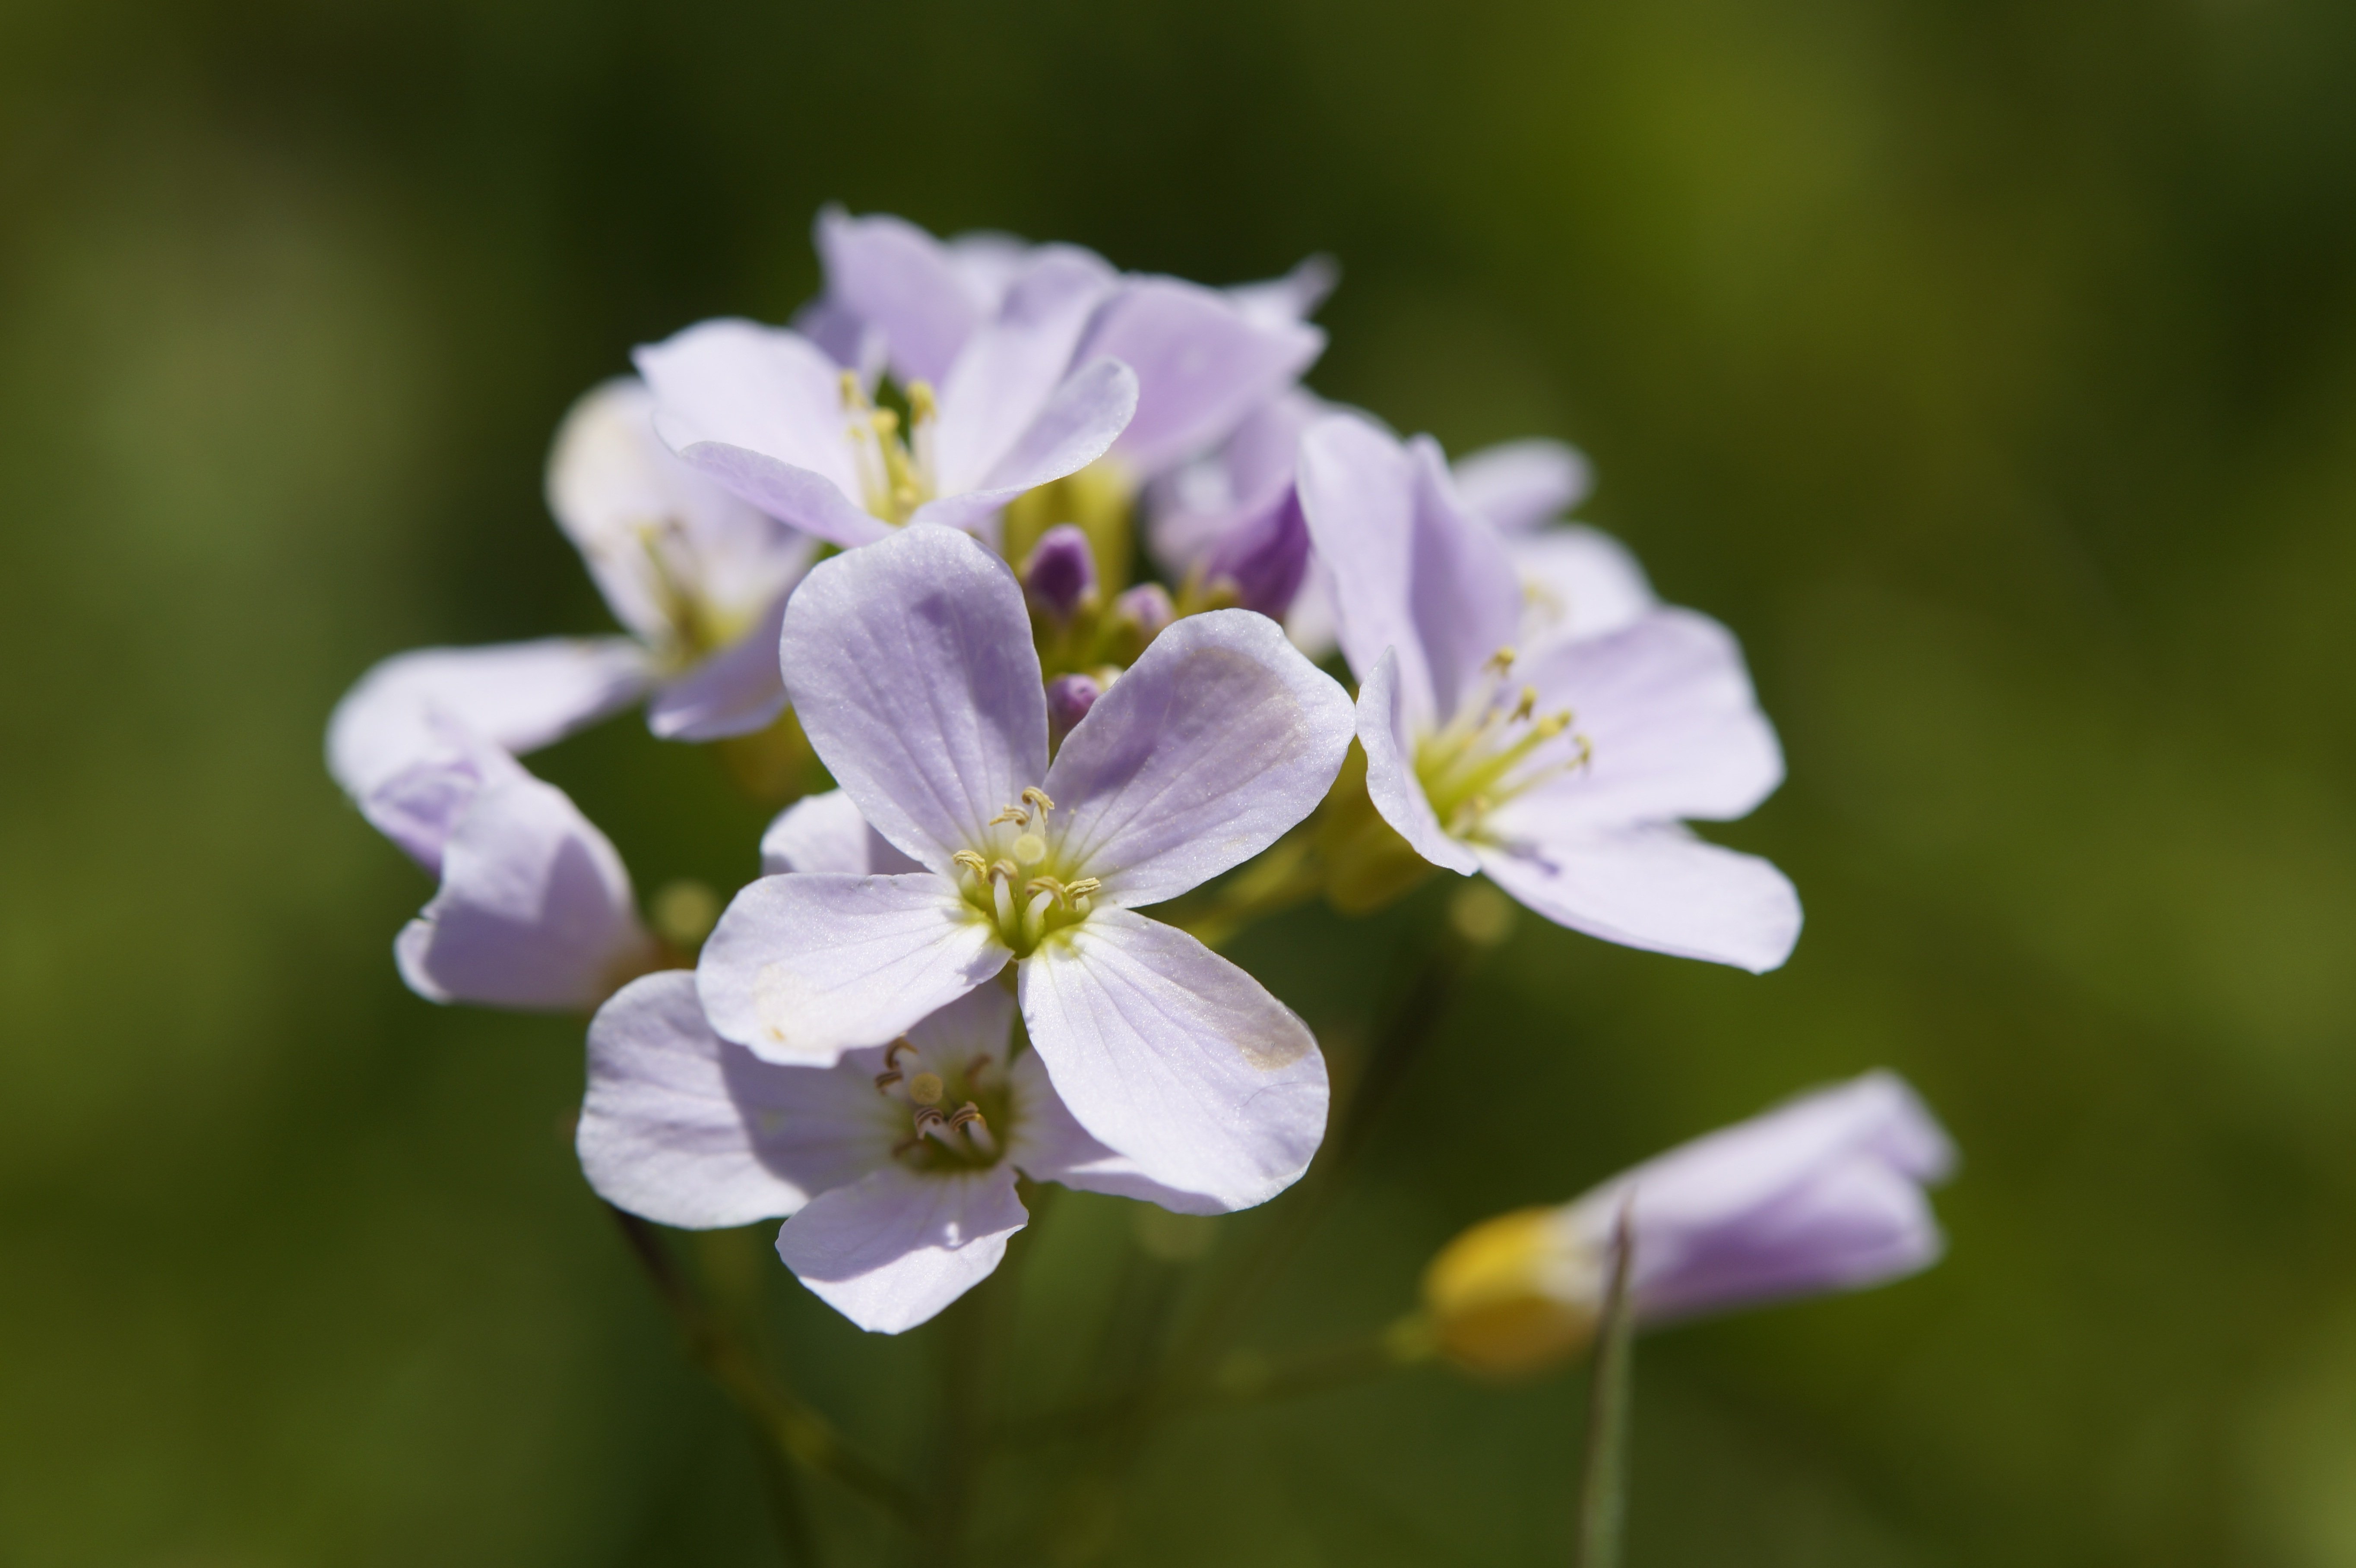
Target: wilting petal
point(912, 673)
point(1576, 583)
point(1202, 363)
point(1072, 431)
point(734, 692)
point(1391, 782)
point(687, 1129)
point(1214, 742)
point(1050, 1145)
point(825, 833)
point(1657, 887)
point(899, 280)
point(1669, 709)
point(517, 696)
point(534, 911)
point(1518, 485)
point(891, 1251)
point(804, 967)
point(1175, 1058)
point(1012, 368)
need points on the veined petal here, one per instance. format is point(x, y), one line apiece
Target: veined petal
point(1213, 744)
point(825, 833)
point(1669, 709)
point(535, 909)
point(1576, 583)
point(689, 1130)
point(1071, 431)
point(1050, 1144)
point(804, 967)
point(1203, 363)
point(1011, 369)
point(891, 1251)
point(912, 673)
point(1175, 1058)
point(1357, 490)
point(734, 692)
point(1462, 592)
point(1391, 782)
point(1516, 485)
point(517, 696)
point(1657, 887)
point(900, 280)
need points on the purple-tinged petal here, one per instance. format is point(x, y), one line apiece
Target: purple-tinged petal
point(1197, 505)
point(1668, 708)
point(1175, 1058)
point(804, 967)
point(1657, 887)
point(1220, 739)
point(1202, 362)
point(1391, 782)
point(1310, 623)
point(1071, 431)
point(844, 335)
point(1050, 1144)
point(734, 692)
point(1295, 297)
point(687, 1129)
point(1821, 1193)
point(990, 262)
point(1518, 485)
point(809, 500)
point(900, 281)
point(912, 673)
point(534, 911)
point(419, 807)
point(1578, 582)
point(1462, 592)
point(1010, 371)
point(517, 696)
point(1060, 571)
point(825, 833)
point(1357, 491)
point(891, 1251)
point(1264, 559)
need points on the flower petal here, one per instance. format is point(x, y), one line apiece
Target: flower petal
point(1203, 362)
point(1656, 887)
point(1295, 297)
point(899, 280)
point(1516, 485)
point(1214, 742)
point(535, 909)
point(1175, 1058)
point(1391, 782)
point(1668, 708)
point(912, 670)
point(687, 1129)
point(1578, 582)
point(825, 833)
point(1072, 431)
point(1010, 369)
point(891, 1251)
point(736, 691)
point(1050, 1144)
point(1357, 490)
point(804, 967)
point(517, 696)
point(1462, 592)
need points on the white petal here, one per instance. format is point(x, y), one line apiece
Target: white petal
point(734, 692)
point(1050, 1144)
point(1175, 1058)
point(1357, 491)
point(687, 1129)
point(1073, 429)
point(1391, 782)
point(1213, 744)
point(902, 281)
point(804, 967)
point(1008, 371)
point(912, 670)
point(1578, 582)
point(1656, 888)
point(1517, 485)
point(825, 833)
point(891, 1251)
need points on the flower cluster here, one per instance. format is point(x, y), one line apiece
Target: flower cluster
point(900, 539)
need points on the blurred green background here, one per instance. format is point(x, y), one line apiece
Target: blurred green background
point(1990, 368)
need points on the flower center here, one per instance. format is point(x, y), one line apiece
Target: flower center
point(1494, 749)
point(1016, 884)
point(895, 464)
point(951, 1108)
point(695, 626)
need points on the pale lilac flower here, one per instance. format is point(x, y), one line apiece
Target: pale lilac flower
point(1564, 774)
point(897, 1165)
point(1203, 358)
point(534, 911)
point(913, 672)
point(1823, 1193)
point(825, 833)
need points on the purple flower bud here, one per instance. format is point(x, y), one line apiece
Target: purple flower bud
point(1069, 697)
point(1061, 571)
point(1263, 560)
point(1147, 607)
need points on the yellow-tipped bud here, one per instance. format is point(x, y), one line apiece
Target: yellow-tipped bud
point(1515, 1296)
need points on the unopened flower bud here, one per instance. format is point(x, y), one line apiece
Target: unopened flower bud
point(1060, 572)
point(1069, 697)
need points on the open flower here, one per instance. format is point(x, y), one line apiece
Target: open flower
point(1565, 773)
point(1823, 1193)
point(912, 667)
point(898, 1163)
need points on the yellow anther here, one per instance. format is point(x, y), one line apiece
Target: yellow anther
point(1038, 797)
point(921, 406)
point(1083, 888)
point(1500, 661)
point(1553, 724)
point(1013, 814)
point(973, 863)
point(925, 1088)
point(1527, 705)
point(851, 395)
point(885, 421)
point(1004, 870)
point(1030, 850)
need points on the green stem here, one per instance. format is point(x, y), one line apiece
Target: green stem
point(789, 1428)
point(1603, 1488)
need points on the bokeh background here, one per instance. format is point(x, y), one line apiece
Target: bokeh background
point(1990, 368)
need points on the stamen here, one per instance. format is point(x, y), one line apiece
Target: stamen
point(977, 1130)
point(1013, 814)
point(1035, 916)
point(1002, 901)
point(852, 397)
point(891, 1052)
point(974, 863)
point(932, 1124)
point(1084, 887)
point(1038, 797)
point(1526, 706)
point(921, 406)
point(1004, 870)
point(1500, 661)
point(883, 1082)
